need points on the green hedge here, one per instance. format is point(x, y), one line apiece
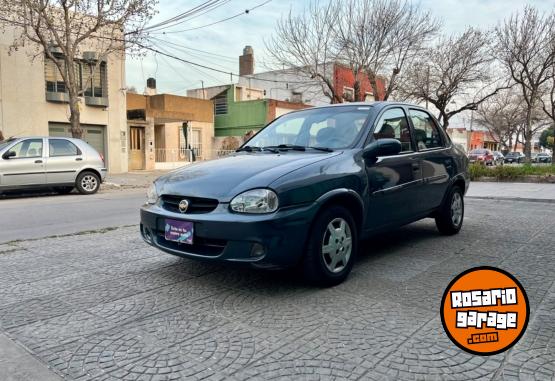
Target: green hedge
point(508, 172)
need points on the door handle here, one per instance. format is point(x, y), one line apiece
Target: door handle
point(79, 159)
point(38, 161)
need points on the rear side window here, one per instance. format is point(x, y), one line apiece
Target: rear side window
point(393, 124)
point(426, 131)
point(62, 147)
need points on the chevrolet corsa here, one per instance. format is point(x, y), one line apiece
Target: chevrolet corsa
point(305, 189)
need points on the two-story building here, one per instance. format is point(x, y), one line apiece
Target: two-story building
point(34, 100)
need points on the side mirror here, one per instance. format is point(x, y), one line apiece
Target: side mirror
point(382, 147)
point(9, 154)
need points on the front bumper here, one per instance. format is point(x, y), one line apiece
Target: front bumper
point(224, 236)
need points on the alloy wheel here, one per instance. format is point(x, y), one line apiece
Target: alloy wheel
point(337, 245)
point(89, 183)
point(456, 209)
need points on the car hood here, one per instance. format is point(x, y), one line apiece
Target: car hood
point(224, 178)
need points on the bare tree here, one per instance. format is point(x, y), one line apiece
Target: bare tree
point(381, 37)
point(525, 46)
point(305, 44)
point(61, 30)
point(451, 69)
point(548, 103)
point(504, 117)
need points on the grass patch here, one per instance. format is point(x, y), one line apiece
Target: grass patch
point(510, 172)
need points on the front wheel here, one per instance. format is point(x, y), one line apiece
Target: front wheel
point(87, 182)
point(332, 247)
point(449, 218)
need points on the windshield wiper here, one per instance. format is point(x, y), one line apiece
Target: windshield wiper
point(299, 148)
point(256, 149)
point(325, 149)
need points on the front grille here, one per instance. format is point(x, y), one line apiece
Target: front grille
point(202, 246)
point(197, 205)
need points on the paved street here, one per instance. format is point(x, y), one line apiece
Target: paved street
point(105, 306)
point(44, 216)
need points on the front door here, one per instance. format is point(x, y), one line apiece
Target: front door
point(27, 166)
point(136, 148)
point(393, 180)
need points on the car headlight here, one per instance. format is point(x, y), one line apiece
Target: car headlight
point(255, 201)
point(152, 194)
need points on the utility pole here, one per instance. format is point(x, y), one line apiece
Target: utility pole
point(202, 83)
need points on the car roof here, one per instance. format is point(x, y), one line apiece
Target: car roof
point(376, 104)
point(14, 138)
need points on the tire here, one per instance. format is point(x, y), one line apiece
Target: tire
point(63, 190)
point(87, 182)
point(317, 264)
point(446, 221)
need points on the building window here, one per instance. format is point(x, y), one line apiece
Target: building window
point(95, 76)
point(220, 104)
point(296, 97)
point(52, 75)
point(348, 94)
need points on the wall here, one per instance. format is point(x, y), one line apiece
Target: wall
point(344, 77)
point(241, 116)
point(24, 110)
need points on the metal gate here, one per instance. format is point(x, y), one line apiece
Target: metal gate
point(93, 135)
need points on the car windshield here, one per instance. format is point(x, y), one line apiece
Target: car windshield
point(331, 127)
point(4, 144)
point(478, 152)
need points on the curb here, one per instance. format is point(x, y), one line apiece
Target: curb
point(545, 200)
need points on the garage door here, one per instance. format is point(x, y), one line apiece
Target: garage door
point(94, 135)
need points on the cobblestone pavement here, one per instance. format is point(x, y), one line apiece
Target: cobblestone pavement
point(105, 306)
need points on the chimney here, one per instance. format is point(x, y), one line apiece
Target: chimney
point(150, 86)
point(246, 61)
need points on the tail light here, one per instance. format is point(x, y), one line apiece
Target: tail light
point(101, 157)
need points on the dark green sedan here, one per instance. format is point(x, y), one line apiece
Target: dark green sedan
point(308, 187)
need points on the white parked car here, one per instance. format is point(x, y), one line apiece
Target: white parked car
point(51, 162)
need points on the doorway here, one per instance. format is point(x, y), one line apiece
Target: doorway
point(136, 148)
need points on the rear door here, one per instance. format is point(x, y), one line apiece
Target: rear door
point(27, 166)
point(64, 161)
point(393, 180)
point(435, 159)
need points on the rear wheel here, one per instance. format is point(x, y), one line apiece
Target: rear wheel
point(332, 247)
point(87, 182)
point(449, 218)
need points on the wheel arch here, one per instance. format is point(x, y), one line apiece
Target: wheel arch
point(89, 170)
point(347, 198)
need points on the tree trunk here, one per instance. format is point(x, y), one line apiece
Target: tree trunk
point(356, 90)
point(516, 140)
point(528, 135)
point(75, 116)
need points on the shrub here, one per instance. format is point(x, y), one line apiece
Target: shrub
point(509, 172)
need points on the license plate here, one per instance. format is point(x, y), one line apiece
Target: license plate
point(510, 160)
point(179, 231)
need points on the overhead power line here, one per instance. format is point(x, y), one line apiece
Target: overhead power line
point(245, 12)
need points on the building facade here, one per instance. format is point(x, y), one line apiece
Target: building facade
point(290, 85)
point(239, 111)
point(33, 98)
point(167, 131)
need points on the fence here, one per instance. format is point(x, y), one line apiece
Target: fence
point(175, 155)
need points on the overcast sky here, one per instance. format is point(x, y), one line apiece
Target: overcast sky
point(224, 42)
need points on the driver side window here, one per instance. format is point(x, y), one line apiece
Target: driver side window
point(393, 124)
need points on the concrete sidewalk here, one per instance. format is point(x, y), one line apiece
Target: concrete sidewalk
point(130, 180)
point(512, 191)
